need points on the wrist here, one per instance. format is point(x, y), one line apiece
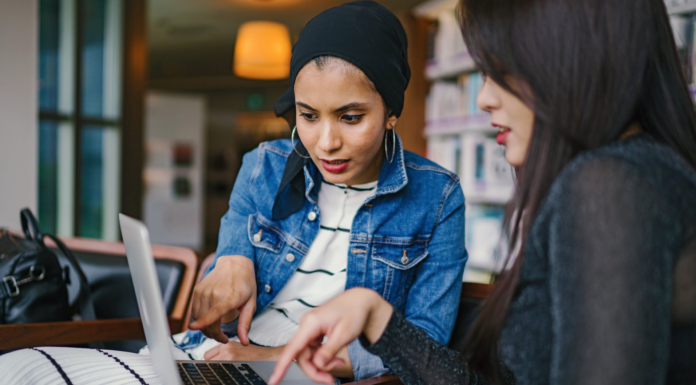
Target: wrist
point(236, 263)
point(239, 267)
point(379, 314)
point(233, 260)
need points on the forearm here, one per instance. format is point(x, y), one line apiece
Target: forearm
point(378, 316)
point(418, 359)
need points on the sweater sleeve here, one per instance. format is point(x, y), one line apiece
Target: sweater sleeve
point(613, 239)
point(418, 359)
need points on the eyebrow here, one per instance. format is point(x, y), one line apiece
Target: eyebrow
point(307, 106)
point(349, 106)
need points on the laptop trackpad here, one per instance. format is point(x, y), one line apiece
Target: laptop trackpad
point(294, 376)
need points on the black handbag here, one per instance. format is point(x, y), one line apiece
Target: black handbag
point(33, 285)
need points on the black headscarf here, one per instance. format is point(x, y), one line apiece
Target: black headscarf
point(363, 33)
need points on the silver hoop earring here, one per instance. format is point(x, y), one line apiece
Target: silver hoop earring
point(386, 151)
point(292, 140)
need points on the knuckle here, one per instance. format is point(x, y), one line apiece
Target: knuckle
point(218, 293)
point(309, 319)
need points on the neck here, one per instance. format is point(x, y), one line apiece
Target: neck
point(371, 173)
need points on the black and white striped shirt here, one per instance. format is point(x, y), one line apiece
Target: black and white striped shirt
point(322, 273)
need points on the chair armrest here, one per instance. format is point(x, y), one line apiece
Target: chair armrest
point(476, 290)
point(382, 380)
point(20, 336)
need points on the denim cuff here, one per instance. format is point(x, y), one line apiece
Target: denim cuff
point(365, 364)
point(230, 328)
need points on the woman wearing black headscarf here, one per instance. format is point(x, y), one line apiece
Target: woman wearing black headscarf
point(341, 205)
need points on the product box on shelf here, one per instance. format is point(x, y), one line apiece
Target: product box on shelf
point(483, 236)
point(486, 175)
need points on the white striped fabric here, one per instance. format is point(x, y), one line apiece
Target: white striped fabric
point(80, 367)
point(322, 273)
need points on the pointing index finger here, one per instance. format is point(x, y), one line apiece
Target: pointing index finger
point(299, 342)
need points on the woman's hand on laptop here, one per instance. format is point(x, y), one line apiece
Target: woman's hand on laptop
point(227, 292)
point(234, 351)
point(341, 320)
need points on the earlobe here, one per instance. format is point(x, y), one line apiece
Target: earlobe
point(391, 122)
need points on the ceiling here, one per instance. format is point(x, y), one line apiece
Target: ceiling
point(191, 41)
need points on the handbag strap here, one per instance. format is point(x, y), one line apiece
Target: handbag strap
point(84, 298)
point(31, 229)
point(30, 226)
point(8, 287)
point(85, 295)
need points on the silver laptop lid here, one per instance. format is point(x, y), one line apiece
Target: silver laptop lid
point(149, 295)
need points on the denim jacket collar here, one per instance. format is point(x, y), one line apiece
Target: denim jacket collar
point(392, 176)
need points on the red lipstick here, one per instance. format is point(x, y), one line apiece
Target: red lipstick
point(502, 137)
point(503, 133)
point(335, 166)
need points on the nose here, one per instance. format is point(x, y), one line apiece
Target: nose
point(487, 99)
point(330, 138)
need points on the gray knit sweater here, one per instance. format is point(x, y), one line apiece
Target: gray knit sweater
point(607, 292)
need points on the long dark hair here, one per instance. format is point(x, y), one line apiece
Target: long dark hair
point(590, 68)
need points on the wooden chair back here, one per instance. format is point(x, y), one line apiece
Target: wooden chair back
point(103, 330)
point(472, 296)
point(186, 257)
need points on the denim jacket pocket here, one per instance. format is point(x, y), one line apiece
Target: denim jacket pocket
point(393, 268)
point(263, 234)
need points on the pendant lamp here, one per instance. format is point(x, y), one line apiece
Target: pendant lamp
point(262, 51)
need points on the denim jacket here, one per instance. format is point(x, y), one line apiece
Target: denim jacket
point(406, 242)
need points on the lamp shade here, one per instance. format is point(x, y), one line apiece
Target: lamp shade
point(263, 51)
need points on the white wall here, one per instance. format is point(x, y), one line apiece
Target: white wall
point(18, 108)
point(171, 119)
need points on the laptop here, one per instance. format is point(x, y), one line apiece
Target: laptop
point(149, 295)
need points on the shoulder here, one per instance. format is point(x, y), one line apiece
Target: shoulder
point(427, 177)
point(642, 160)
point(268, 154)
point(277, 148)
point(421, 167)
point(265, 164)
point(598, 174)
point(635, 172)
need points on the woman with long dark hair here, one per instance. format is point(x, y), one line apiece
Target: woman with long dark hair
point(594, 110)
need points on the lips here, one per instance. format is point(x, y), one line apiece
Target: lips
point(335, 166)
point(503, 133)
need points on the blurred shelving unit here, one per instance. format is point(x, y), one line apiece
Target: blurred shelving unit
point(450, 67)
point(461, 139)
point(459, 125)
point(433, 8)
point(680, 7)
point(683, 20)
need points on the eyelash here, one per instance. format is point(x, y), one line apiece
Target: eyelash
point(308, 116)
point(355, 118)
point(351, 119)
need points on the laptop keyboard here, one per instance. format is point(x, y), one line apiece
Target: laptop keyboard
point(218, 374)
